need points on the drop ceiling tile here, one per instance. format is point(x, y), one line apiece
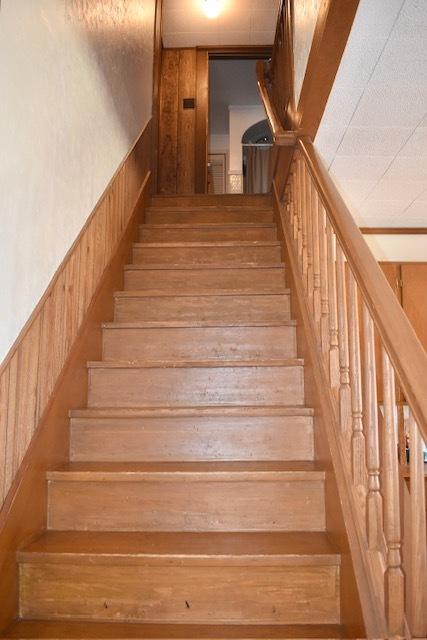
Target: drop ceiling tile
point(407, 168)
point(177, 21)
point(354, 191)
point(234, 19)
point(263, 21)
point(416, 144)
point(384, 209)
point(261, 37)
point(412, 19)
point(356, 167)
point(327, 141)
point(359, 60)
point(418, 209)
point(271, 5)
point(403, 63)
point(232, 37)
point(390, 106)
point(392, 189)
point(183, 39)
point(376, 18)
point(341, 106)
point(376, 141)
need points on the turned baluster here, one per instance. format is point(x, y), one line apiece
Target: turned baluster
point(358, 444)
point(309, 226)
point(417, 579)
point(394, 578)
point(344, 386)
point(324, 304)
point(332, 302)
point(299, 184)
point(304, 178)
point(374, 501)
point(316, 254)
point(294, 219)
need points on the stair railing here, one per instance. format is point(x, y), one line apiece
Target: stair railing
point(365, 348)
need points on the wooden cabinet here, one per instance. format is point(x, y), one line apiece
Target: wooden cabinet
point(409, 282)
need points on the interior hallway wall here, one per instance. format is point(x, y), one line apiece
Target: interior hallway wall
point(75, 93)
point(183, 121)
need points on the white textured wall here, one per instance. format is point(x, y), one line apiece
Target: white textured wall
point(305, 17)
point(398, 248)
point(75, 92)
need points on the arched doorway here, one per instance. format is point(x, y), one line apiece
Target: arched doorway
point(257, 143)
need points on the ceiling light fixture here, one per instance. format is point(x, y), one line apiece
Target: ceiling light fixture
point(212, 8)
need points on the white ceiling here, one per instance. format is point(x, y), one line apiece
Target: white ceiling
point(373, 134)
point(240, 22)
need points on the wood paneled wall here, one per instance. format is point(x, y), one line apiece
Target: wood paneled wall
point(183, 132)
point(30, 372)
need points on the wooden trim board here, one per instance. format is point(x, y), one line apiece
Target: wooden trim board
point(46, 374)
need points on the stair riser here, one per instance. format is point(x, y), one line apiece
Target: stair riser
point(203, 343)
point(185, 386)
point(192, 279)
point(210, 234)
point(182, 503)
point(205, 255)
point(211, 595)
point(207, 309)
point(191, 439)
point(207, 217)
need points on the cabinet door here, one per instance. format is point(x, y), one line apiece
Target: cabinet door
point(414, 297)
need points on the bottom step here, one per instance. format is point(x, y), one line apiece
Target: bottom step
point(122, 631)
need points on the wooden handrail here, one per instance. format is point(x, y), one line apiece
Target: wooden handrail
point(404, 348)
point(363, 352)
point(280, 136)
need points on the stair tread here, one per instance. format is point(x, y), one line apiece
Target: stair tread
point(133, 471)
point(194, 324)
point(215, 266)
point(196, 293)
point(210, 243)
point(292, 547)
point(210, 225)
point(168, 411)
point(31, 629)
point(194, 364)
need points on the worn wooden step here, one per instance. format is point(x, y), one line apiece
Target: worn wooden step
point(187, 496)
point(182, 577)
point(133, 341)
point(264, 278)
point(54, 630)
point(207, 232)
point(203, 307)
point(208, 215)
point(217, 433)
point(183, 383)
point(213, 200)
point(206, 252)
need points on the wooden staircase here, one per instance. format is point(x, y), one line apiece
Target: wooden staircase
point(192, 505)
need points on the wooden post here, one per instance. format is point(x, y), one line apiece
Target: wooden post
point(358, 452)
point(324, 304)
point(394, 586)
point(344, 390)
point(374, 501)
point(417, 579)
point(316, 254)
point(332, 301)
